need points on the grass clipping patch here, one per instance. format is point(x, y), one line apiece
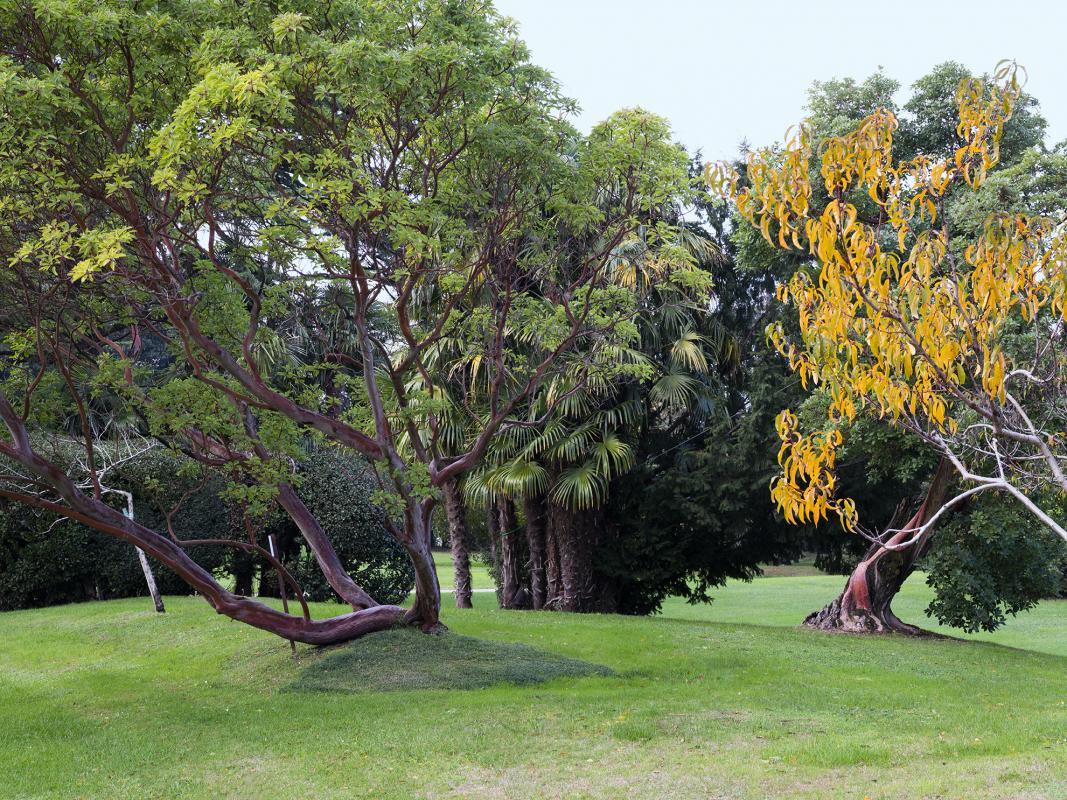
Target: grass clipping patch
point(407, 659)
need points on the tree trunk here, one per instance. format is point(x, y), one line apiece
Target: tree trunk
point(534, 508)
point(553, 573)
point(512, 593)
point(244, 572)
point(578, 534)
point(456, 509)
point(321, 547)
point(426, 610)
point(96, 514)
point(146, 568)
point(575, 558)
point(150, 579)
point(865, 604)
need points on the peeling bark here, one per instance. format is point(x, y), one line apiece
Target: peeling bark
point(865, 604)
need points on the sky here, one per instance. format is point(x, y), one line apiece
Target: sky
point(723, 72)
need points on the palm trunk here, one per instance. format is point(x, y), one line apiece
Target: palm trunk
point(512, 592)
point(865, 604)
point(456, 509)
point(534, 508)
point(575, 559)
point(578, 535)
point(553, 573)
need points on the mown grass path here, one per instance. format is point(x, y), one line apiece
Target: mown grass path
point(109, 700)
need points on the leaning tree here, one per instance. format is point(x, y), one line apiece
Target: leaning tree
point(204, 172)
point(959, 344)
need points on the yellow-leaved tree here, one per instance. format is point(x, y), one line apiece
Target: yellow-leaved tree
point(960, 343)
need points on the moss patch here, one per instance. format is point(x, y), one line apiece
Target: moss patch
point(407, 659)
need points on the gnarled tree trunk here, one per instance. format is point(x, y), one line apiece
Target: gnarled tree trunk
point(94, 513)
point(426, 610)
point(865, 605)
point(456, 510)
point(534, 508)
point(325, 554)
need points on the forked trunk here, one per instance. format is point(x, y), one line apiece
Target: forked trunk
point(456, 510)
point(426, 609)
point(534, 508)
point(96, 514)
point(865, 604)
point(321, 547)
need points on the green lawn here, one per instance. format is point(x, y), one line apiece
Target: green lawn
point(479, 572)
point(111, 700)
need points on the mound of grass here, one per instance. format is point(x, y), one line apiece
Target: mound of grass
point(405, 659)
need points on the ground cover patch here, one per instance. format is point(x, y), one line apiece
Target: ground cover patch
point(406, 659)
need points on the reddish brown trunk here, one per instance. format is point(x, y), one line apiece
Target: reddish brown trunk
point(89, 511)
point(512, 592)
point(534, 508)
point(456, 509)
point(865, 604)
point(325, 555)
point(426, 609)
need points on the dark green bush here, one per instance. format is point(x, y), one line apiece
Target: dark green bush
point(338, 489)
point(991, 561)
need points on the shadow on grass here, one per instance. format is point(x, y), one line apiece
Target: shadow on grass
point(406, 659)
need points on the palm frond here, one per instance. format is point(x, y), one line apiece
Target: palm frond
point(580, 487)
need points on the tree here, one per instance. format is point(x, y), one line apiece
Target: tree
point(577, 434)
point(205, 170)
point(959, 345)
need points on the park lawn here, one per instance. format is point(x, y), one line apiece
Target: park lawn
point(111, 700)
point(479, 572)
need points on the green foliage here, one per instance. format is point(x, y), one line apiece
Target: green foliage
point(689, 519)
point(402, 660)
point(990, 562)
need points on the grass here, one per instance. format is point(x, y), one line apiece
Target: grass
point(449, 661)
point(479, 572)
point(732, 701)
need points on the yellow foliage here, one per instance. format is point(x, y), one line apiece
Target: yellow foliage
point(902, 330)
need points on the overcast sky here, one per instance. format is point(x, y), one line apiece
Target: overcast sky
point(724, 71)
